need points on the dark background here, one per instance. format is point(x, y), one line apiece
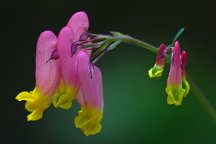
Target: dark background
point(135, 106)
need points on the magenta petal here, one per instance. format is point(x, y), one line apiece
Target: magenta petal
point(47, 74)
point(175, 68)
point(184, 61)
point(161, 55)
point(79, 23)
point(68, 63)
point(90, 82)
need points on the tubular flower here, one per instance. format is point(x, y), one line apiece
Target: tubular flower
point(47, 77)
point(174, 88)
point(157, 70)
point(185, 84)
point(68, 49)
point(90, 96)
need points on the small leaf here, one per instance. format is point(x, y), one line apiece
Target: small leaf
point(177, 35)
point(118, 34)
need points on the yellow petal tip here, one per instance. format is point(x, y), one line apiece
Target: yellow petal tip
point(64, 96)
point(88, 120)
point(36, 103)
point(174, 95)
point(156, 71)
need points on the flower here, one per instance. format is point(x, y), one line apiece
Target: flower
point(157, 70)
point(47, 77)
point(185, 84)
point(67, 49)
point(174, 88)
point(90, 95)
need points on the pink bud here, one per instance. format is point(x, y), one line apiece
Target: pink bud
point(184, 61)
point(161, 55)
point(175, 68)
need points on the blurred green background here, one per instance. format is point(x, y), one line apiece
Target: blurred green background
point(135, 108)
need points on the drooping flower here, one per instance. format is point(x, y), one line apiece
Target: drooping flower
point(90, 95)
point(47, 77)
point(174, 88)
point(157, 70)
point(185, 84)
point(68, 49)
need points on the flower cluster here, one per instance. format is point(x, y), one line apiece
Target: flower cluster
point(64, 73)
point(177, 86)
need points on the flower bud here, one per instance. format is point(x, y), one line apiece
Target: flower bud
point(157, 70)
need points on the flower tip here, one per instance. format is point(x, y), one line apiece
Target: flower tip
point(163, 46)
point(174, 95)
point(88, 120)
point(79, 21)
point(80, 14)
point(67, 32)
point(35, 115)
point(47, 33)
point(176, 44)
point(156, 71)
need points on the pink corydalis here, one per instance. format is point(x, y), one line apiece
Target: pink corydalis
point(175, 68)
point(67, 38)
point(68, 63)
point(91, 90)
point(161, 55)
point(47, 72)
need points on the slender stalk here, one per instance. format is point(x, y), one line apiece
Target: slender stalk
point(201, 97)
point(136, 42)
point(128, 39)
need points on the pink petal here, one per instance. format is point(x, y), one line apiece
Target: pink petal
point(184, 61)
point(79, 23)
point(175, 68)
point(161, 55)
point(90, 82)
point(68, 63)
point(47, 74)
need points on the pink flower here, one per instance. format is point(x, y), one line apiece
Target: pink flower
point(90, 95)
point(157, 70)
point(174, 83)
point(68, 36)
point(47, 77)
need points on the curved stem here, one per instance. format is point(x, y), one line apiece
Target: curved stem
point(127, 39)
point(201, 97)
point(137, 43)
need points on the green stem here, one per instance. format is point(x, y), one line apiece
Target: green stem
point(137, 43)
point(129, 40)
point(201, 97)
point(197, 92)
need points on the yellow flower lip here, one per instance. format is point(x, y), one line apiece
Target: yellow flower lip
point(175, 95)
point(64, 96)
point(156, 71)
point(88, 120)
point(36, 103)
